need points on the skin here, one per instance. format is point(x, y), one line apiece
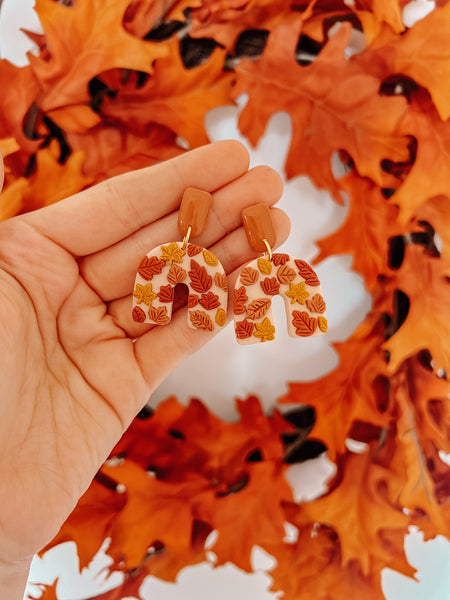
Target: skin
point(71, 376)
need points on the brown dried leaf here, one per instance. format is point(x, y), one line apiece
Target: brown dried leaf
point(193, 250)
point(280, 259)
point(138, 314)
point(150, 266)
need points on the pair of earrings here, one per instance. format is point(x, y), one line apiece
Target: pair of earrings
point(272, 274)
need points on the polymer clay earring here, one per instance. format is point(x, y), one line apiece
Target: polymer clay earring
point(271, 275)
point(199, 269)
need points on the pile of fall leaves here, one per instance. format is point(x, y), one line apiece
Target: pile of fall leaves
point(121, 85)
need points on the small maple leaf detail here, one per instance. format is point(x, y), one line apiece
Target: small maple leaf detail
point(316, 304)
point(240, 298)
point(249, 276)
point(209, 301)
point(172, 253)
point(280, 259)
point(144, 293)
point(165, 293)
point(176, 275)
point(193, 249)
point(220, 279)
point(265, 330)
point(285, 274)
point(200, 320)
point(150, 266)
point(159, 315)
point(270, 286)
point(265, 266)
point(305, 325)
point(244, 329)
point(297, 292)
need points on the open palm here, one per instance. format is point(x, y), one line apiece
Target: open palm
point(75, 369)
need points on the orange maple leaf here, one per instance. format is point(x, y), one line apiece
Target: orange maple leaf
point(333, 103)
point(369, 222)
point(426, 282)
point(84, 40)
point(357, 509)
point(173, 96)
point(350, 393)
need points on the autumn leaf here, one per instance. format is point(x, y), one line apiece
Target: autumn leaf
point(244, 329)
point(193, 250)
point(138, 314)
point(285, 274)
point(333, 103)
point(200, 280)
point(144, 293)
point(265, 331)
point(425, 280)
point(209, 301)
point(176, 275)
point(270, 286)
point(173, 96)
point(200, 320)
point(97, 42)
point(316, 304)
point(307, 272)
point(370, 220)
point(172, 253)
point(221, 317)
point(240, 299)
point(297, 293)
point(220, 279)
point(357, 390)
point(258, 308)
point(265, 266)
point(280, 259)
point(159, 315)
point(357, 510)
point(165, 293)
point(150, 266)
point(210, 258)
point(248, 276)
point(192, 300)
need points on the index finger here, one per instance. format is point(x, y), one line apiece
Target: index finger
point(98, 217)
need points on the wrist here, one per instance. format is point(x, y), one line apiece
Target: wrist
point(13, 579)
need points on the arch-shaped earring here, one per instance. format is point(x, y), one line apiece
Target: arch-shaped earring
point(274, 274)
point(182, 262)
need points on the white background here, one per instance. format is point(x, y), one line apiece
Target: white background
point(236, 370)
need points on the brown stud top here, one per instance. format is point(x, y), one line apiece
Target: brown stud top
point(194, 209)
point(258, 226)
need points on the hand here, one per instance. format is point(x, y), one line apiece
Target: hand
point(71, 377)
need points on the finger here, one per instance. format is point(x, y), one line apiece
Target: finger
point(233, 251)
point(111, 272)
point(114, 209)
